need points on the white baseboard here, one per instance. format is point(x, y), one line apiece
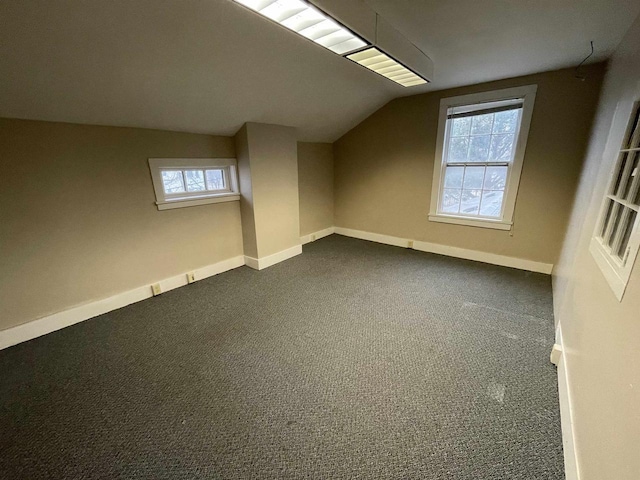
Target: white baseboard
point(373, 237)
point(571, 467)
point(495, 259)
point(556, 353)
point(251, 262)
point(449, 251)
point(312, 237)
point(264, 262)
point(57, 321)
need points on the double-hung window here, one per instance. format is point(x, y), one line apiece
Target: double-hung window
point(184, 182)
point(479, 154)
point(617, 235)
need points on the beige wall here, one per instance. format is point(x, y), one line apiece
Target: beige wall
point(268, 158)
point(601, 336)
point(78, 220)
point(384, 168)
point(315, 184)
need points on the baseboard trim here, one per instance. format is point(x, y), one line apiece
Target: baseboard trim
point(373, 237)
point(252, 262)
point(492, 258)
point(264, 262)
point(312, 237)
point(571, 466)
point(51, 323)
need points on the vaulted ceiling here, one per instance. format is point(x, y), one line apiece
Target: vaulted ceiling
point(208, 66)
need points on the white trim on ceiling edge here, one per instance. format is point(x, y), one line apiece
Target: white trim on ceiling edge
point(571, 466)
point(492, 258)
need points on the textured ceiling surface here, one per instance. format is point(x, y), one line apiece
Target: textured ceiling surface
point(208, 66)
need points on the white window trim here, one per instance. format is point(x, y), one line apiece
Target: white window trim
point(528, 94)
point(166, 202)
point(615, 271)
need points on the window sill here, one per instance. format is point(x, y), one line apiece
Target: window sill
point(192, 202)
point(471, 222)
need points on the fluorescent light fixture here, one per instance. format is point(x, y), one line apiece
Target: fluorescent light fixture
point(312, 23)
point(382, 64)
point(309, 22)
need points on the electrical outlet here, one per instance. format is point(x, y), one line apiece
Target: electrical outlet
point(155, 288)
point(410, 244)
point(191, 277)
point(313, 238)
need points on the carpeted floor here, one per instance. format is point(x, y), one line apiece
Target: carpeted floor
point(353, 360)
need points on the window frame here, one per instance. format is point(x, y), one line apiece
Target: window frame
point(528, 94)
point(166, 201)
point(616, 270)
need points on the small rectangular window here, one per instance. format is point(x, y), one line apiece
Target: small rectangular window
point(181, 182)
point(617, 236)
point(480, 148)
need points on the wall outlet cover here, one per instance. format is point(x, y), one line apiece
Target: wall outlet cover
point(155, 288)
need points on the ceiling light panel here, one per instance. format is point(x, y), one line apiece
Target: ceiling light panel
point(382, 64)
point(309, 22)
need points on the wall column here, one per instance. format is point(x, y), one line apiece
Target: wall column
point(269, 203)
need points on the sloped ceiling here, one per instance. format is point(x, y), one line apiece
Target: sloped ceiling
point(208, 66)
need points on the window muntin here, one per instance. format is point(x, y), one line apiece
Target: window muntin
point(480, 151)
point(617, 235)
point(193, 181)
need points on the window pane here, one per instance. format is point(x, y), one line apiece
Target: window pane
point(473, 177)
point(617, 216)
point(460, 126)
point(215, 179)
point(458, 147)
point(479, 148)
point(195, 180)
point(482, 124)
point(628, 228)
point(491, 205)
point(470, 202)
point(172, 181)
point(506, 122)
point(607, 218)
point(633, 172)
point(623, 163)
point(501, 147)
point(450, 200)
point(453, 177)
point(634, 138)
point(496, 178)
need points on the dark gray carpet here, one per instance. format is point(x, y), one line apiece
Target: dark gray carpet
point(353, 360)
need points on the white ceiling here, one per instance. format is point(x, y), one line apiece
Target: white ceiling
point(208, 66)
